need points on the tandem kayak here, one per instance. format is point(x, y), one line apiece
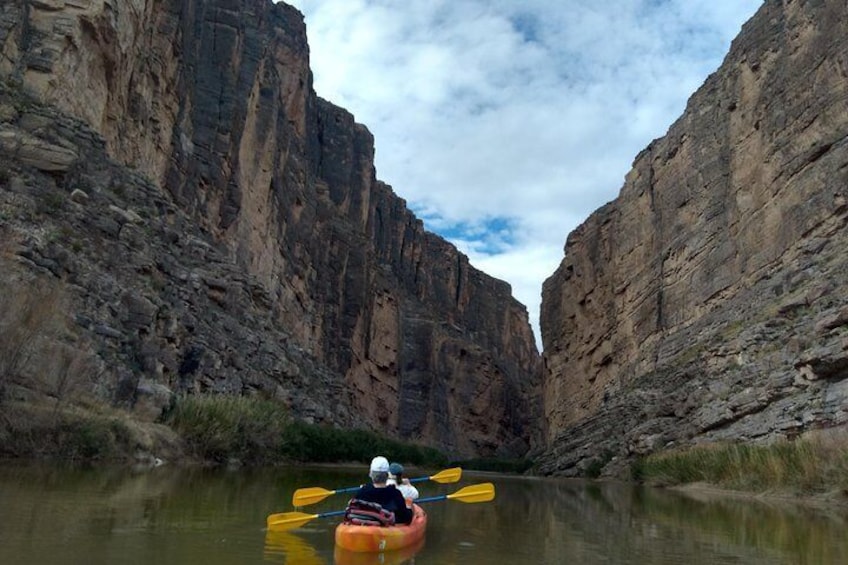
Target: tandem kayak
point(380, 538)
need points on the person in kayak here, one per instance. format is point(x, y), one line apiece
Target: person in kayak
point(409, 492)
point(387, 496)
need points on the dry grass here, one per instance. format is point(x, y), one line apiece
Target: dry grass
point(44, 368)
point(30, 317)
point(32, 430)
point(816, 463)
point(41, 358)
point(38, 351)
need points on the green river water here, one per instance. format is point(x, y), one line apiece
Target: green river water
point(58, 515)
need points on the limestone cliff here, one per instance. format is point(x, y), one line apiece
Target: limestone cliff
point(261, 202)
point(708, 300)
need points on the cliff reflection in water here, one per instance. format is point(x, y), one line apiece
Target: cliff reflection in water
point(616, 523)
point(210, 517)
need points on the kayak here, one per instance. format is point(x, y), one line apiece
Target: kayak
point(380, 538)
point(343, 556)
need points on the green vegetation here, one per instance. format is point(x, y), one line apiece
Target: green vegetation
point(307, 442)
point(815, 464)
point(593, 471)
point(47, 411)
point(90, 437)
point(50, 203)
point(221, 427)
point(256, 431)
point(496, 465)
point(40, 432)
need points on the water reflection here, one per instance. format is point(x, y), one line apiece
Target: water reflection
point(291, 549)
point(603, 522)
point(398, 557)
point(196, 516)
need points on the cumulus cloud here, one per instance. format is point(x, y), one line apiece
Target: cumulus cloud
point(505, 124)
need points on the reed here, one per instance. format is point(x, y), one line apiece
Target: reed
point(219, 428)
point(223, 427)
point(817, 463)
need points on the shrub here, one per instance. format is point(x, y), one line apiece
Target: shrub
point(220, 427)
point(91, 437)
point(31, 431)
point(324, 444)
point(31, 316)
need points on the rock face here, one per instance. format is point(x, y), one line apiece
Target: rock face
point(708, 301)
point(262, 204)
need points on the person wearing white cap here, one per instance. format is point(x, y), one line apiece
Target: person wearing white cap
point(409, 492)
point(387, 496)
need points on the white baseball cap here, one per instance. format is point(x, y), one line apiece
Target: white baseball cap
point(379, 465)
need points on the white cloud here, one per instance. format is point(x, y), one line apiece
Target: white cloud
point(530, 112)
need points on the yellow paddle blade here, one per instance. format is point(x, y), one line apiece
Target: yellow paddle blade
point(448, 475)
point(484, 492)
point(310, 495)
point(289, 520)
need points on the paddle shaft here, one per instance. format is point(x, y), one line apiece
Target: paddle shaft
point(354, 489)
point(349, 489)
point(311, 495)
point(431, 499)
point(483, 492)
point(333, 513)
point(415, 480)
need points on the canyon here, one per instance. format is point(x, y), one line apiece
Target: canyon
point(221, 229)
point(707, 302)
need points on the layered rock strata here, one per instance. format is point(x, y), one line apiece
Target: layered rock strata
point(212, 101)
point(708, 301)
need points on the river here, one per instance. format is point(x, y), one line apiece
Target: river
point(59, 515)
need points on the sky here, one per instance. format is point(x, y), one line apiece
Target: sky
point(503, 123)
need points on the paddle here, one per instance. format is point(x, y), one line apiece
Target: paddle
point(311, 495)
point(483, 492)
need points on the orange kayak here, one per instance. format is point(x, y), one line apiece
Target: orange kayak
point(379, 538)
point(343, 556)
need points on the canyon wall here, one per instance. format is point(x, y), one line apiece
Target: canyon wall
point(708, 300)
point(260, 200)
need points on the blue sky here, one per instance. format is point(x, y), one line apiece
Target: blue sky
point(505, 123)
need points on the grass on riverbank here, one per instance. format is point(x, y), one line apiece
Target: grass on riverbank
point(208, 428)
point(70, 434)
point(255, 431)
point(815, 464)
point(223, 427)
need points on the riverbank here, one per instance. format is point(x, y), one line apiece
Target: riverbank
point(201, 429)
point(812, 468)
point(836, 500)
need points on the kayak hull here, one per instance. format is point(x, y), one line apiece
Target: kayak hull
point(374, 539)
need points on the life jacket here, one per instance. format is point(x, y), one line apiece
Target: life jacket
point(364, 513)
